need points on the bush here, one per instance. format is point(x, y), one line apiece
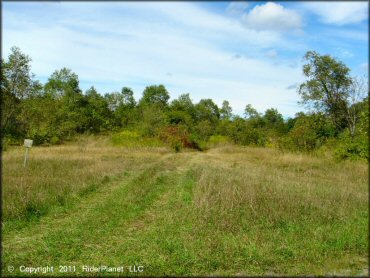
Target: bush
point(286, 143)
point(175, 136)
point(10, 141)
point(250, 136)
point(55, 140)
point(128, 138)
point(197, 143)
point(216, 140)
point(125, 137)
point(176, 146)
point(357, 148)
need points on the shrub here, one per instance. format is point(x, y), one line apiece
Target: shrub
point(55, 140)
point(128, 138)
point(176, 146)
point(251, 136)
point(357, 148)
point(175, 136)
point(197, 143)
point(39, 138)
point(308, 133)
point(204, 129)
point(216, 140)
point(286, 143)
point(153, 119)
point(125, 137)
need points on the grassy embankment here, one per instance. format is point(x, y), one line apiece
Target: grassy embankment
point(227, 211)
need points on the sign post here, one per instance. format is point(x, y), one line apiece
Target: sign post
point(27, 144)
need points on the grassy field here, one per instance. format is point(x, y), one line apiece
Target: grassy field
point(227, 211)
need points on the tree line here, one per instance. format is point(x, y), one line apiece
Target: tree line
point(336, 111)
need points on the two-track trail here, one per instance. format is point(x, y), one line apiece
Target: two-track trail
point(108, 227)
point(229, 211)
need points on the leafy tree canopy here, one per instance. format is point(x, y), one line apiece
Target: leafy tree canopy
point(326, 87)
point(155, 95)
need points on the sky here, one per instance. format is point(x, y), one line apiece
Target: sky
point(243, 52)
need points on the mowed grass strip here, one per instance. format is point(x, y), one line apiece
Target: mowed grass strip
point(79, 237)
point(228, 211)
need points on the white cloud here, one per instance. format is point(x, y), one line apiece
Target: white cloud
point(113, 49)
point(272, 16)
point(339, 13)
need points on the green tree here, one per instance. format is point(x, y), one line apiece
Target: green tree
point(226, 110)
point(16, 85)
point(182, 111)
point(182, 103)
point(176, 117)
point(98, 116)
point(245, 133)
point(355, 96)
point(310, 131)
point(123, 106)
point(206, 109)
point(153, 118)
point(274, 120)
point(327, 86)
point(128, 99)
point(155, 95)
point(63, 86)
point(250, 112)
point(37, 115)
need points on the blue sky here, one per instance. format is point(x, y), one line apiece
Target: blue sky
point(244, 52)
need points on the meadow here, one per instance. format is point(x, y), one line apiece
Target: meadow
point(230, 210)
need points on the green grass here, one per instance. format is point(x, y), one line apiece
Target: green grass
point(228, 211)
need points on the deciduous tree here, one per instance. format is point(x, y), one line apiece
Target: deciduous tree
point(327, 86)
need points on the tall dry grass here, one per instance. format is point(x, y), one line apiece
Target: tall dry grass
point(239, 187)
point(55, 174)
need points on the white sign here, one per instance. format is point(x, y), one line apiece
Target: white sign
point(28, 143)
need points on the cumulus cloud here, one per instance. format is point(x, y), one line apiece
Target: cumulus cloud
point(339, 13)
point(272, 16)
